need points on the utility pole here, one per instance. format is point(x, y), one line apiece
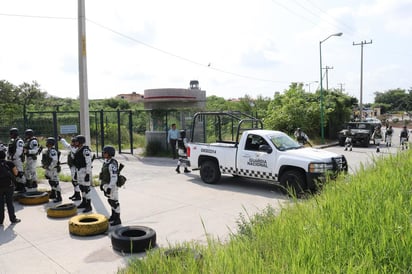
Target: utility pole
point(326, 75)
point(361, 76)
point(341, 87)
point(83, 93)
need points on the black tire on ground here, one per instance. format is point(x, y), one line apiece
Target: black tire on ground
point(294, 182)
point(210, 172)
point(133, 239)
point(88, 224)
point(34, 198)
point(62, 211)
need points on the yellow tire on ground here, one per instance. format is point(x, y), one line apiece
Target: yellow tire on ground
point(88, 224)
point(34, 198)
point(62, 211)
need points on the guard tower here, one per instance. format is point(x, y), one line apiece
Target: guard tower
point(167, 104)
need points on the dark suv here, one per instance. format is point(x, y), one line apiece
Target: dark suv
point(361, 132)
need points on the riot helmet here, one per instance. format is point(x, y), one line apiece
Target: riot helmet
point(50, 141)
point(109, 150)
point(182, 134)
point(29, 133)
point(14, 132)
point(81, 139)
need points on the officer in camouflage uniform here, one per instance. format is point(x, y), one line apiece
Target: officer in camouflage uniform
point(16, 155)
point(108, 177)
point(70, 162)
point(83, 164)
point(50, 162)
point(182, 151)
point(31, 150)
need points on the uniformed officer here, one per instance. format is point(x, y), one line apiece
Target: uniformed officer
point(182, 149)
point(51, 164)
point(70, 162)
point(83, 164)
point(16, 155)
point(108, 177)
point(31, 150)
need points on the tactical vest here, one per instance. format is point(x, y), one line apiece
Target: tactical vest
point(79, 160)
point(181, 144)
point(104, 175)
point(27, 148)
point(12, 147)
point(404, 133)
point(46, 159)
point(300, 137)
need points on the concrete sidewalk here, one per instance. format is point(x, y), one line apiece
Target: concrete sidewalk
point(179, 207)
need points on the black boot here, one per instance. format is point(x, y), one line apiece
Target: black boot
point(112, 216)
point(178, 169)
point(52, 194)
point(116, 220)
point(186, 170)
point(20, 188)
point(76, 196)
point(58, 197)
point(88, 206)
point(82, 204)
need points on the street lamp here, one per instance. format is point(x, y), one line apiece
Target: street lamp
point(322, 130)
point(308, 84)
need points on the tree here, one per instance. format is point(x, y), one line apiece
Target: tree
point(297, 108)
point(395, 99)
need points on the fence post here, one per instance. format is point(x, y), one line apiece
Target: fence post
point(131, 131)
point(119, 137)
point(55, 134)
point(102, 128)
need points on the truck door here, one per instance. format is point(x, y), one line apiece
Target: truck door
point(254, 163)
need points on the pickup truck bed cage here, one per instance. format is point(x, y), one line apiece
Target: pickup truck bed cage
point(226, 126)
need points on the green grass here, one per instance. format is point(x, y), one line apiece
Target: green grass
point(359, 224)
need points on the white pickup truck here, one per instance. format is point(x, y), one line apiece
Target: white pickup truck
point(256, 153)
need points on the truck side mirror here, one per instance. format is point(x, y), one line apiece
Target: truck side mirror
point(265, 148)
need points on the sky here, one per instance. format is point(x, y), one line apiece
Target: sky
point(233, 48)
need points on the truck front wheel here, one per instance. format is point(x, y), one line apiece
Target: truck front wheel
point(209, 172)
point(293, 182)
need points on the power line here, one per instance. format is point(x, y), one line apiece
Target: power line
point(150, 46)
point(38, 16)
point(184, 58)
point(348, 28)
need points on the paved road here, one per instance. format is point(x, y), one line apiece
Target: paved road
point(179, 207)
point(364, 156)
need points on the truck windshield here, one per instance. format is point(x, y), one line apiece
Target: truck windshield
point(284, 142)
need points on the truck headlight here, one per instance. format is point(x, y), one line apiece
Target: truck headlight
point(319, 167)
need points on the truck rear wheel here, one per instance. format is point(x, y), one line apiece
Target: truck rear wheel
point(209, 172)
point(294, 182)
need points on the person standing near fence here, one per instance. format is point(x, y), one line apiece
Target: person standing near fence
point(16, 155)
point(109, 177)
point(83, 164)
point(172, 136)
point(51, 163)
point(70, 162)
point(31, 150)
